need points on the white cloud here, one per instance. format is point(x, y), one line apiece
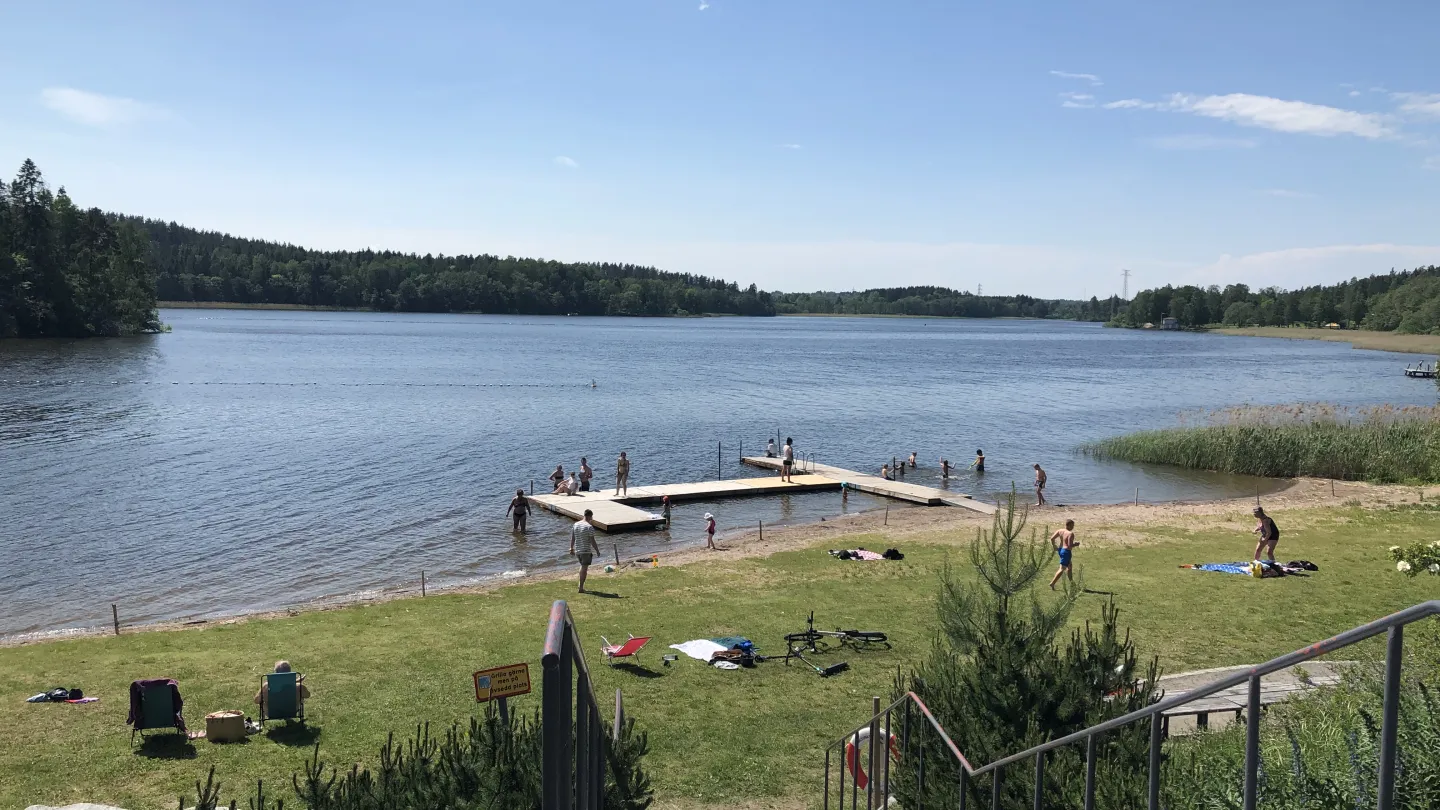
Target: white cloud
point(1432, 163)
point(1077, 100)
point(95, 110)
point(1354, 93)
point(1301, 267)
point(1426, 104)
point(789, 146)
point(1270, 113)
point(704, 5)
point(1088, 77)
point(1286, 192)
point(1200, 142)
point(568, 163)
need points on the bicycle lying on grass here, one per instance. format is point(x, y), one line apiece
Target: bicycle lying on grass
point(817, 641)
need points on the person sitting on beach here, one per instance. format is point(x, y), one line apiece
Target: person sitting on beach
point(519, 510)
point(979, 463)
point(885, 472)
point(301, 690)
point(567, 486)
point(770, 449)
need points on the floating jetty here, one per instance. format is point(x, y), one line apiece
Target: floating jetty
point(619, 513)
point(1424, 371)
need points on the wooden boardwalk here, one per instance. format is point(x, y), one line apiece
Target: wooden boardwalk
point(612, 513)
point(1231, 703)
point(875, 485)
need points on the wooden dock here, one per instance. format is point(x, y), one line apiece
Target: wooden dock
point(614, 513)
point(1422, 371)
point(875, 485)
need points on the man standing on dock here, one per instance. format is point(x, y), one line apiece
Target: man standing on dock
point(1040, 478)
point(787, 460)
point(622, 474)
point(582, 537)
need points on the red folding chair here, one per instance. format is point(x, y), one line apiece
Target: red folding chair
point(630, 649)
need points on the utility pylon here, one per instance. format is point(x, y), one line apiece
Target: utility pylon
point(1125, 285)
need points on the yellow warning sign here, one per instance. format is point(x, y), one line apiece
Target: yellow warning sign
point(502, 682)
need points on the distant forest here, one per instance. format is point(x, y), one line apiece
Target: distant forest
point(1407, 301)
point(942, 302)
point(68, 272)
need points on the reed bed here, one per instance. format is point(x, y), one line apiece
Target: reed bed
point(1382, 444)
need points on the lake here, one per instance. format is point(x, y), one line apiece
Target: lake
point(250, 460)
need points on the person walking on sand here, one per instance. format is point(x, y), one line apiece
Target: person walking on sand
point(1064, 542)
point(979, 463)
point(787, 460)
point(710, 532)
point(583, 545)
point(622, 474)
point(585, 474)
point(1269, 535)
point(557, 476)
point(1040, 479)
point(519, 510)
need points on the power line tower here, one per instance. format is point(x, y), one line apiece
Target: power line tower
point(1125, 285)
point(979, 289)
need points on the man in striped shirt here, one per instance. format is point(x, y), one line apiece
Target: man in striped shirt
point(583, 545)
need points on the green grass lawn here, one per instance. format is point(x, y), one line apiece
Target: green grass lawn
point(716, 736)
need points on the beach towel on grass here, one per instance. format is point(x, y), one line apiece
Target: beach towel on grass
point(1222, 568)
point(701, 649)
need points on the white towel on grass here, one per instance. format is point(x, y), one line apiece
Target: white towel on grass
point(701, 649)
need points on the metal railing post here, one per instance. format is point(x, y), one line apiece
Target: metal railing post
point(921, 801)
point(1390, 717)
point(1252, 743)
point(582, 751)
point(826, 803)
point(854, 772)
point(1040, 781)
point(567, 705)
point(1157, 738)
point(1090, 772)
point(885, 756)
point(995, 789)
point(964, 787)
point(871, 769)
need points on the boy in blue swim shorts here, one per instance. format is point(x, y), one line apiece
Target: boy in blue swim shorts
point(1064, 542)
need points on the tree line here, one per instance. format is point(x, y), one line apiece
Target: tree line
point(197, 265)
point(69, 272)
point(942, 302)
point(1405, 301)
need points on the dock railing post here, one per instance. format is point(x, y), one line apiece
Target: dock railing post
point(719, 449)
point(422, 581)
point(115, 615)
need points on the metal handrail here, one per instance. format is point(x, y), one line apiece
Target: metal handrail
point(563, 745)
point(1392, 624)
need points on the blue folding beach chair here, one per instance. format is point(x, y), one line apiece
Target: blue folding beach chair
point(157, 709)
point(280, 697)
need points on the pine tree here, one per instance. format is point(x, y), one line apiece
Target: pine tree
point(1003, 677)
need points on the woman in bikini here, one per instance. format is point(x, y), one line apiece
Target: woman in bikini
point(519, 510)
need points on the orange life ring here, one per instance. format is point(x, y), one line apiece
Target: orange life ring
point(852, 753)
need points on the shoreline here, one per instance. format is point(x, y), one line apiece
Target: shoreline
point(1118, 524)
point(1357, 338)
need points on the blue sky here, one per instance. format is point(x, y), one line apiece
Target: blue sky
point(1034, 147)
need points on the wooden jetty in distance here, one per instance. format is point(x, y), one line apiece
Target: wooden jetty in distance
point(1424, 371)
point(619, 513)
point(884, 487)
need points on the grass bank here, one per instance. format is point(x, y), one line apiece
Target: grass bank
point(1381, 445)
point(1359, 339)
point(748, 738)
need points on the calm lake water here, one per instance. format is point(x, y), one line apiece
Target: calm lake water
point(251, 460)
